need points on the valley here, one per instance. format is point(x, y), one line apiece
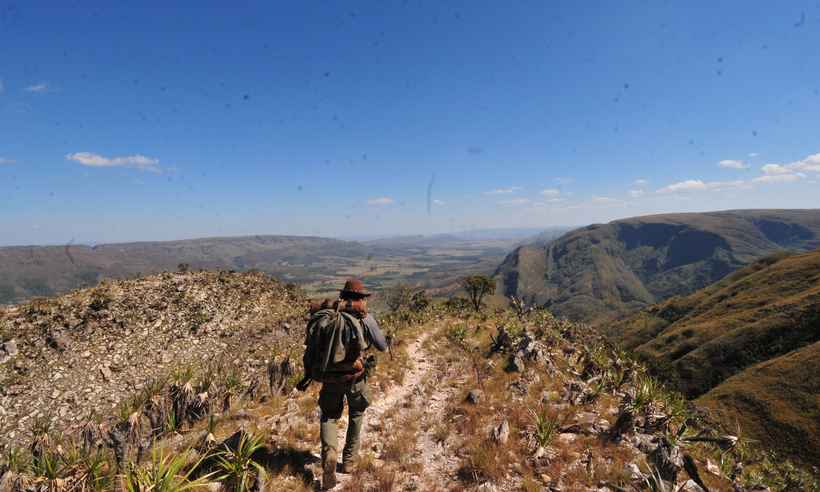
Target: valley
point(319, 265)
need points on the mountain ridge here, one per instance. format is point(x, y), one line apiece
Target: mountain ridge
point(315, 262)
point(603, 271)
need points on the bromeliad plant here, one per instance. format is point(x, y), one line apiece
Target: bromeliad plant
point(165, 473)
point(545, 427)
point(237, 466)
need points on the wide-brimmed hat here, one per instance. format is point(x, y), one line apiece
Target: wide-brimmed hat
point(354, 288)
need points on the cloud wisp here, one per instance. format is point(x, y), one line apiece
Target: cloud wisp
point(771, 173)
point(809, 164)
point(37, 88)
point(779, 178)
point(699, 185)
point(732, 164)
point(503, 191)
point(380, 201)
point(137, 161)
point(516, 201)
point(4, 160)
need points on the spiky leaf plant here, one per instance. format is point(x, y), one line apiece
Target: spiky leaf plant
point(237, 466)
point(545, 428)
point(165, 473)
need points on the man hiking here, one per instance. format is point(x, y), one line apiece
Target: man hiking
point(338, 333)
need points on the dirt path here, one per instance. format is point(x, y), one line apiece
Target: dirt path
point(412, 395)
point(437, 463)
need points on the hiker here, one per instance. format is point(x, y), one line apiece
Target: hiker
point(338, 334)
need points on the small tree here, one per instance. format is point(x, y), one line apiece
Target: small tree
point(406, 297)
point(478, 286)
point(399, 296)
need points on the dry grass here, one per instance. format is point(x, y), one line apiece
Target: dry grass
point(747, 347)
point(400, 446)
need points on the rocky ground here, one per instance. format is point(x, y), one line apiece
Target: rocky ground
point(491, 401)
point(82, 355)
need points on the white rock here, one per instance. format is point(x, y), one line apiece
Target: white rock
point(502, 433)
point(634, 472)
point(566, 437)
point(691, 486)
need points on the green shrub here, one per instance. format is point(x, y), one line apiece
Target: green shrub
point(165, 473)
point(237, 466)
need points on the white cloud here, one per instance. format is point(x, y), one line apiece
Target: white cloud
point(604, 199)
point(779, 178)
point(636, 193)
point(439, 202)
point(753, 154)
point(502, 191)
point(138, 161)
point(772, 173)
point(380, 201)
point(809, 164)
point(564, 181)
point(771, 169)
point(698, 185)
point(732, 164)
point(688, 185)
point(551, 192)
point(640, 182)
point(41, 87)
point(515, 201)
point(3, 160)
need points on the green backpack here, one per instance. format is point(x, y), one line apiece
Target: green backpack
point(333, 344)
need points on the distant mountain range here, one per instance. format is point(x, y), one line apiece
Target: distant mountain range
point(318, 264)
point(27, 271)
point(747, 347)
point(604, 271)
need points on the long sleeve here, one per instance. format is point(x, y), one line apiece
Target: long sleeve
point(374, 333)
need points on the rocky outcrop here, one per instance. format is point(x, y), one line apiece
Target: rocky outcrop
point(89, 352)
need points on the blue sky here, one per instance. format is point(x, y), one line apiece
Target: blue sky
point(336, 118)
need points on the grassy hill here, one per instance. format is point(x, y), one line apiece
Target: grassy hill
point(747, 347)
point(605, 270)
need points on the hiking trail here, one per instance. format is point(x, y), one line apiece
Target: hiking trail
point(420, 396)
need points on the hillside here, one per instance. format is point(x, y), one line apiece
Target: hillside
point(87, 352)
point(186, 381)
point(746, 347)
point(602, 271)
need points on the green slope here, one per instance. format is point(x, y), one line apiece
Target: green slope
point(746, 347)
point(603, 271)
